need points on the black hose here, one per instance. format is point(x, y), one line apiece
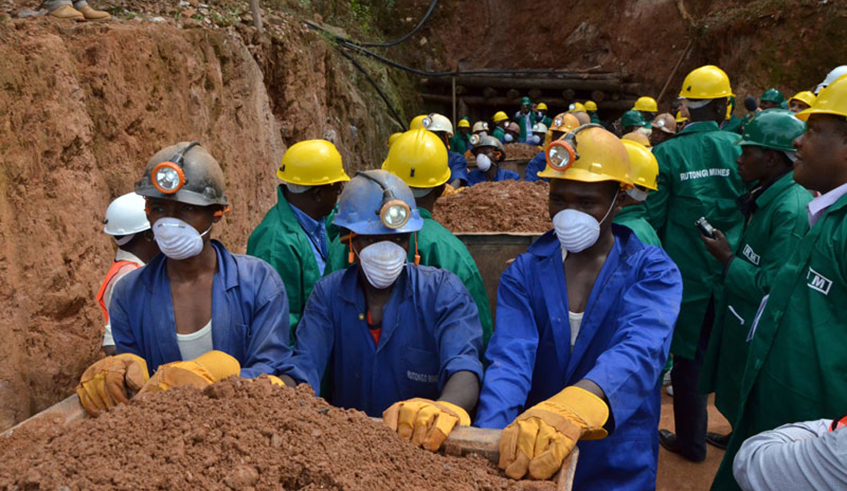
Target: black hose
point(376, 87)
point(407, 36)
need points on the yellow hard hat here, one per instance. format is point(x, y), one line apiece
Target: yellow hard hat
point(463, 123)
point(646, 104)
point(563, 123)
point(500, 116)
point(706, 82)
point(418, 122)
point(541, 107)
point(806, 96)
point(636, 137)
point(312, 163)
point(643, 165)
point(831, 100)
point(680, 118)
point(588, 154)
point(419, 158)
point(576, 107)
point(590, 106)
point(393, 138)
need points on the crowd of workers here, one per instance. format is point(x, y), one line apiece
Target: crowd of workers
point(714, 238)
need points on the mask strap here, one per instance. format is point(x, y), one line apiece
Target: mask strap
point(351, 256)
point(611, 206)
point(417, 256)
point(221, 213)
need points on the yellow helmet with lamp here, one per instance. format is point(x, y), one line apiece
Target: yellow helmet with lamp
point(589, 153)
point(562, 123)
point(418, 122)
point(576, 107)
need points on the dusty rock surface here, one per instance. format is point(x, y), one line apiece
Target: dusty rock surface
point(520, 151)
point(236, 435)
point(505, 206)
point(84, 106)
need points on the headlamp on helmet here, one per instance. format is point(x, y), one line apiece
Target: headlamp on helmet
point(168, 177)
point(558, 122)
point(561, 154)
point(474, 139)
point(393, 212)
point(426, 122)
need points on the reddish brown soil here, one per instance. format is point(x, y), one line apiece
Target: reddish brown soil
point(83, 107)
point(236, 435)
point(505, 206)
point(520, 151)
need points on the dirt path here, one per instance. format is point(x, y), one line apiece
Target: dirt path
point(678, 474)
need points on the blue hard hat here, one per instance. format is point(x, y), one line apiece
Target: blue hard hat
point(364, 198)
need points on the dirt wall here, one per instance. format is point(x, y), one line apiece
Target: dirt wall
point(82, 108)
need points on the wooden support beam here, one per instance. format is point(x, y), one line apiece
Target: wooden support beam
point(553, 102)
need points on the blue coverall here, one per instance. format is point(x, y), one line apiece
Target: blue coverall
point(249, 314)
point(622, 344)
point(536, 165)
point(430, 330)
point(458, 167)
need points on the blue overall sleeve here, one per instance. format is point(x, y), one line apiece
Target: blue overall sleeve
point(458, 331)
point(511, 352)
point(125, 341)
point(315, 338)
point(535, 166)
point(267, 347)
point(629, 369)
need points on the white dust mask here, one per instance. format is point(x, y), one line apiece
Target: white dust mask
point(177, 239)
point(483, 163)
point(577, 231)
point(509, 138)
point(382, 263)
point(637, 194)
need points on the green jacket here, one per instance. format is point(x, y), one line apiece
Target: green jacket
point(281, 241)
point(775, 229)
point(796, 363)
point(499, 133)
point(459, 144)
point(633, 217)
point(698, 177)
point(439, 248)
point(733, 125)
point(521, 120)
point(547, 121)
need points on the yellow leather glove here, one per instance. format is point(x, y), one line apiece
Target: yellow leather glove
point(538, 440)
point(204, 370)
point(424, 422)
point(104, 384)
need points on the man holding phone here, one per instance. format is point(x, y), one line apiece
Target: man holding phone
point(698, 177)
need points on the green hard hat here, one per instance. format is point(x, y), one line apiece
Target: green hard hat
point(775, 129)
point(772, 95)
point(526, 102)
point(633, 118)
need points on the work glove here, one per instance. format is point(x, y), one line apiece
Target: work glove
point(424, 422)
point(200, 372)
point(111, 381)
point(538, 440)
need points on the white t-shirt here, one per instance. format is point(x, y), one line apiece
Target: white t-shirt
point(195, 344)
point(575, 320)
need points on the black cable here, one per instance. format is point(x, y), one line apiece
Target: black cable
point(407, 36)
point(376, 87)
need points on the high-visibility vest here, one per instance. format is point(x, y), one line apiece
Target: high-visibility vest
point(114, 270)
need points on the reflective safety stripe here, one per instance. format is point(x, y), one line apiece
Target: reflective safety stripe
point(115, 269)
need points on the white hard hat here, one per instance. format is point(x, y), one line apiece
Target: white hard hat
point(126, 216)
point(438, 122)
point(480, 126)
point(832, 76)
point(539, 128)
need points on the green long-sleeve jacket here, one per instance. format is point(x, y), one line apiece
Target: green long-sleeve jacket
point(633, 217)
point(797, 359)
point(698, 177)
point(439, 248)
point(459, 143)
point(281, 241)
point(774, 230)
